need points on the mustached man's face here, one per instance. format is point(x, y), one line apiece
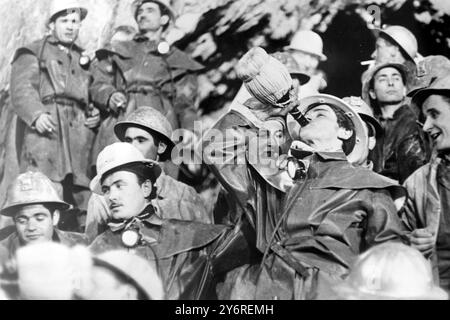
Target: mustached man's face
point(125, 197)
point(150, 18)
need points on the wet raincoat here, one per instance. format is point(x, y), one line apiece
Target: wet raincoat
point(47, 77)
point(167, 83)
point(327, 219)
point(182, 251)
point(403, 148)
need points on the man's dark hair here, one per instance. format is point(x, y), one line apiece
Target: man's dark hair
point(141, 180)
point(345, 122)
point(139, 172)
point(162, 8)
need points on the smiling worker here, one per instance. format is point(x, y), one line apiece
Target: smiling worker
point(427, 213)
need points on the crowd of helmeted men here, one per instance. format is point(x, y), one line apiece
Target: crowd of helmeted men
point(317, 197)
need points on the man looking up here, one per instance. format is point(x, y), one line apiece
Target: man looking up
point(334, 211)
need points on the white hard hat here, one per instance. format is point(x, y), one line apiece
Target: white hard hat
point(52, 271)
point(58, 6)
point(308, 41)
point(139, 270)
point(401, 36)
point(391, 271)
point(118, 155)
point(31, 188)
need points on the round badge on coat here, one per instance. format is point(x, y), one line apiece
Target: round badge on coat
point(163, 47)
point(130, 238)
point(84, 61)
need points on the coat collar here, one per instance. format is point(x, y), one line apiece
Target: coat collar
point(398, 114)
point(55, 41)
point(148, 216)
point(337, 155)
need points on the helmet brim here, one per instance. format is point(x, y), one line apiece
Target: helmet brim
point(378, 128)
point(83, 13)
point(380, 32)
point(303, 78)
point(319, 55)
point(152, 172)
point(344, 290)
point(106, 264)
point(10, 210)
point(420, 95)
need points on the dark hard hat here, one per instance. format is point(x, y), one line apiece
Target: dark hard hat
point(439, 86)
point(31, 188)
point(151, 120)
point(429, 68)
